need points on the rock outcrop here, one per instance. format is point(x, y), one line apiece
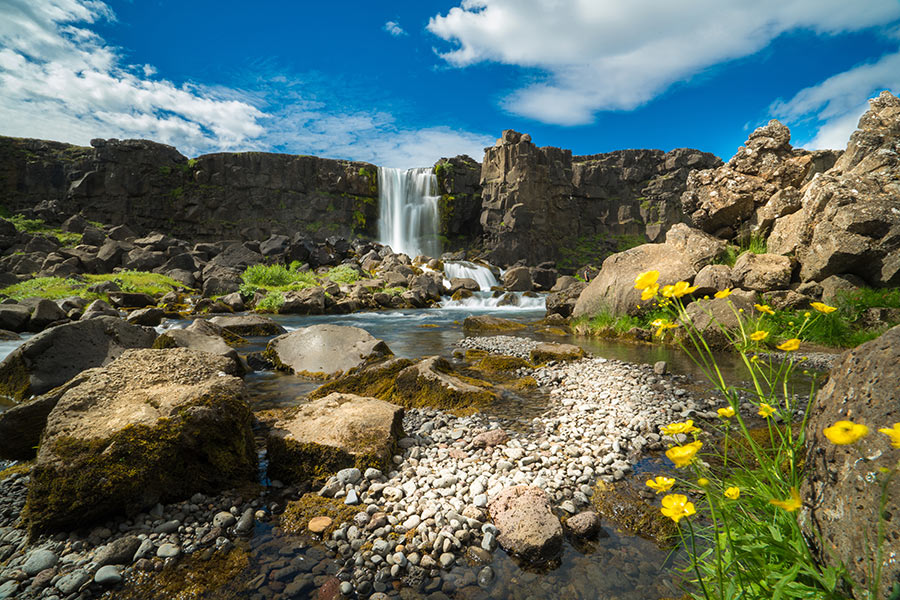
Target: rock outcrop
point(544, 204)
point(152, 426)
point(842, 492)
point(460, 204)
point(337, 432)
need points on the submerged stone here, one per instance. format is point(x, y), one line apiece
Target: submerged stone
point(325, 350)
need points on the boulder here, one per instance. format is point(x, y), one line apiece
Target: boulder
point(761, 272)
point(248, 325)
point(150, 316)
point(55, 355)
point(834, 287)
point(463, 283)
point(375, 380)
point(14, 317)
point(479, 323)
point(713, 278)
point(562, 302)
point(22, 425)
point(152, 426)
point(714, 316)
point(546, 352)
point(584, 525)
point(206, 327)
point(336, 432)
point(431, 382)
point(324, 351)
point(309, 301)
point(700, 247)
point(613, 289)
point(526, 523)
point(99, 308)
point(564, 282)
point(842, 492)
point(44, 313)
point(201, 342)
point(518, 279)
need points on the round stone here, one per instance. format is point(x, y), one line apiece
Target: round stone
point(168, 551)
point(108, 575)
point(318, 525)
point(39, 560)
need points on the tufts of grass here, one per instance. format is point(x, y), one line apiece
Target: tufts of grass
point(276, 278)
point(343, 274)
point(56, 288)
point(755, 244)
point(271, 303)
point(39, 226)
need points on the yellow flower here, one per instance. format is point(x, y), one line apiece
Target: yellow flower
point(682, 456)
point(758, 336)
point(893, 433)
point(662, 325)
point(843, 433)
point(791, 504)
point(683, 288)
point(733, 493)
point(723, 293)
point(726, 413)
point(765, 308)
point(676, 506)
point(645, 280)
point(650, 292)
point(675, 428)
point(661, 484)
point(703, 482)
point(806, 315)
point(789, 345)
point(668, 291)
point(765, 410)
point(823, 308)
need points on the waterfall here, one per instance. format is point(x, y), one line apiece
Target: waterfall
point(408, 211)
point(466, 269)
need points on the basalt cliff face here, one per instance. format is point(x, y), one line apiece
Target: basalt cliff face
point(151, 186)
point(543, 204)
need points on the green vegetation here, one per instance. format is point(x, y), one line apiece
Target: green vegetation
point(271, 303)
point(279, 279)
point(55, 288)
point(755, 244)
point(40, 227)
point(595, 248)
point(343, 274)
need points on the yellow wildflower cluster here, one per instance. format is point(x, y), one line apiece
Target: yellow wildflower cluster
point(647, 283)
point(676, 428)
point(726, 413)
point(682, 456)
point(844, 433)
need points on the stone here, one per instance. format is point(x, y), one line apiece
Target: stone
point(546, 352)
point(152, 426)
point(168, 551)
point(108, 575)
point(201, 342)
point(478, 323)
point(431, 382)
point(562, 302)
point(309, 301)
point(518, 279)
point(333, 433)
point(761, 272)
point(72, 582)
point(44, 313)
point(584, 524)
point(224, 519)
point(318, 525)
point(710, 317)
point(323, 351)
point(38, 560)
point(246, 523)
point(841, 493)
point(14, 317)
point(487, 439)
point(713, 278)
point(248, 325)
point(526, 523)
point(150, 316)
point(700, 247)
point(117, 552)
point(613, 289)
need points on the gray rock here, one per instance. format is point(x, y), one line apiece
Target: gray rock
point(38, 560)
point(245, 523)
point(71, 583)
point(325, 350)
point(118, 552)
point(108, 575)
point(168, 551)
point(8, 589)
point(170, 526)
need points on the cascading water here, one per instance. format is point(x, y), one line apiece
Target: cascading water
point(464, 269)
point(408, 211)
point(485, 299)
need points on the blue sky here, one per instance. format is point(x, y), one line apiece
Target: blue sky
point(404, 83)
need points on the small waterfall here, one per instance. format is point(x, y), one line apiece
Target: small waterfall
point(408, 211)
point(466, 269)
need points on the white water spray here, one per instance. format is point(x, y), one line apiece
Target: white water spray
point(469, 270)
point(408, 211)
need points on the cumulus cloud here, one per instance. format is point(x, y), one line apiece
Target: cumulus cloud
point(611, 55)
point(837, 103)
point(393, 28)
point(59, 80)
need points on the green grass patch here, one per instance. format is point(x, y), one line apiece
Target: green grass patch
point(755, 244)
point(343, 274)
point(276, 278)
point(38, 226)
point(56, 288)
point(271, 303)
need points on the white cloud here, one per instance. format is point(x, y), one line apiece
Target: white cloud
point(59, 80)
point(393, 28)
point(837, 103)
point(612, 55)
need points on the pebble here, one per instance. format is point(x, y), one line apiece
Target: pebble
point(108, 575)
point(168, 551)
point(38, 560)
point(223, 519)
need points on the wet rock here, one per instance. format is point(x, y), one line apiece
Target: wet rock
point(248, 325)
point(478, 323)
point(150, 316)
point(118, 552)
point(561, 352)
point(584, 524)
point(108, 575)
point(431, 382)
point(39, 560)
point(323, 351)
point(526, 522)
point(195, 340)
point(518, 279)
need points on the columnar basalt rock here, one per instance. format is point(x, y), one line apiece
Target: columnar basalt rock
point(545, 204)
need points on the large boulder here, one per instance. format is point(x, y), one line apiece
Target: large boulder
point(55, 355)
point(562, 302)
point(336, 432)
point(700, 247)
point(842, 492)
point(719, 318)
point(518, 279)
point(613, 288)
point(761, 272)
point(323, 351)
point(526, 523)
point(152, 426)
point(309, 301)
point(201, 342)
point(485, 323)
point(431, 382)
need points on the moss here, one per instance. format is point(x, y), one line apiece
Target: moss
point(225, 575)
point(164, 342)
point(140, 464)
point(298, 513)
point(623, 505)
point(474, 354)
point(488, 323)
point(22, 468)
point(461, 294)
point(414, 390)
point(524, 383)
point(497, 363)
point(375, 381)
point(540, 356)
point(14, 378)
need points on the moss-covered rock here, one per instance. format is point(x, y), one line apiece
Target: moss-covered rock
point(248, 325)
point(479, 323)
point(543, 353)
point(334, 433)
point(500, 363)
point(153, 426)
point(225, 576)
point(431, 382)
point(376, 380)
point(298, 513)
point(624, 506)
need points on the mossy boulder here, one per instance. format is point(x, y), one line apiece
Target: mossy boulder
point(375, 380)
point(55, 355)
point(184, 338)
point(480, 323)
point(500, 363)
point(431, 382)
point(152, 426)
point(543, 353)
point(324, 351)
point(334, 433)
point(623, 505)
point(298, 513)
point(248, 325)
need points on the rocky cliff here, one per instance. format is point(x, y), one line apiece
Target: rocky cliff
point(150, 186)
point(541, 204)
point(460, 204)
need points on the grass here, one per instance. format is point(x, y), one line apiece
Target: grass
point(56, 288)
point(38, 226)
point(343, 274)
point(271, 303)
point(755, 244)
point(279, 278)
